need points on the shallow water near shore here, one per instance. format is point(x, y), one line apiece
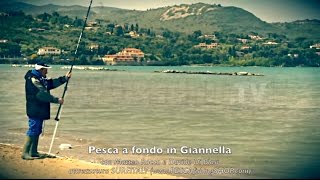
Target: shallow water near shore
point(270, 122)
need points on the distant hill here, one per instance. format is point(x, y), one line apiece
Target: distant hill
point(71, 11)
point(308, 29)
point(185, 18)
point(189, 18)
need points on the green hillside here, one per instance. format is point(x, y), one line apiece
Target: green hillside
point(168, 35)
point(306, 29)
point(185, 18)
point(204, 17)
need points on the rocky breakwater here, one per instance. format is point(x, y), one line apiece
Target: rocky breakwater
point(90, 68)
point(211, 73)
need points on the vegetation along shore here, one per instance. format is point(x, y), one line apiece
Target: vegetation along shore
point(163, 36)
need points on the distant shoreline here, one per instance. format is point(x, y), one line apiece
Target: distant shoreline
point(191, 65)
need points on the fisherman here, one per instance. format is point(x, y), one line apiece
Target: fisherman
point(38, 99)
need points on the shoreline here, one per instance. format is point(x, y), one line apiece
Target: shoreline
point(13, 167)
point(190, 65)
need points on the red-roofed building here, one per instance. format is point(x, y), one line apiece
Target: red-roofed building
point(126, 55)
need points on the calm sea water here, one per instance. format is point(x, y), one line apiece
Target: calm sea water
point(271, 122)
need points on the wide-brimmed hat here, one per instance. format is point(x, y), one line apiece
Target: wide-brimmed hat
point(41, 65)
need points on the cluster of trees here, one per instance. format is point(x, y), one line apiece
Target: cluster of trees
point(25, 34)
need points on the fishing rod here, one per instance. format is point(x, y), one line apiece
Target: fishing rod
point(57, 118)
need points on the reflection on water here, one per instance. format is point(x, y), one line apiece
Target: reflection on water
point(269, 122)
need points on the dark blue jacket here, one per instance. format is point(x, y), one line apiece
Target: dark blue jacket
point(38, 97)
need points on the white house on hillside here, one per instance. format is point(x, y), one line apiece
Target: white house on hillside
point(206, 46)
point(49, 51)
point(270, 43)
point(315, 46)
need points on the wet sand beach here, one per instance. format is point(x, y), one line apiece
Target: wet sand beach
point(13, 167)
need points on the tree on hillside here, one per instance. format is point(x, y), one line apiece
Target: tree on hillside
point(119, 31)
point(126, 27)
point(232, 51)
point(167, 52)
point(55, 14)
point(44, 17)
point(10, 49)
point(78, 22)
point(16, 13)
point(196, 34)
point(83, 60)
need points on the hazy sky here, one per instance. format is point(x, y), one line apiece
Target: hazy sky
point(266, 10)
